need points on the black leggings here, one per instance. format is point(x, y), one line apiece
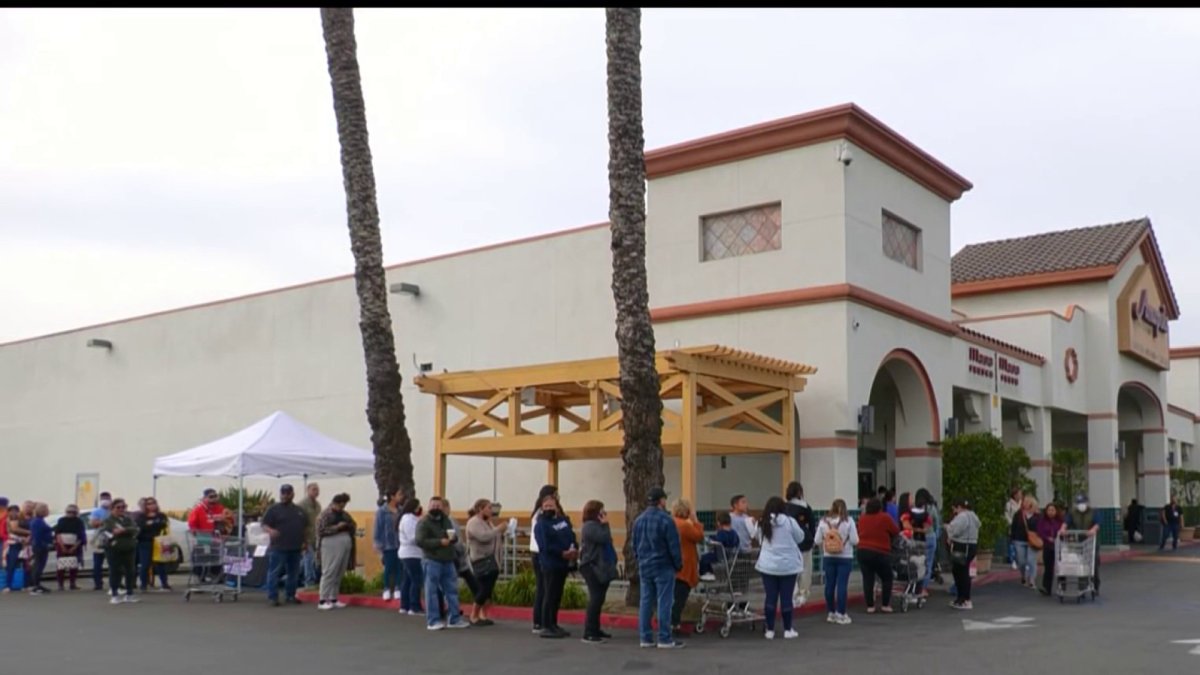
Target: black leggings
point(486, 584)
point(682, 591)
point(122, 565)
point(875, 564)
point(962, 570)
point(539, 593)
point(597, 592)
point(554, 581)
point(1048, 567)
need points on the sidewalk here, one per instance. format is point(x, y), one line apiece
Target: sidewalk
point(815, 605)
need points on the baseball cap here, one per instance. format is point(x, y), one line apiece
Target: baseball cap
point(656, 494)
point(1081, 498)
point(286, 487)
point(209, 492)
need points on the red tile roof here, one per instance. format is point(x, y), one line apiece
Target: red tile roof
point(1082, 248)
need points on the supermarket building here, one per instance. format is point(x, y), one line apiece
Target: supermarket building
point(822, 239)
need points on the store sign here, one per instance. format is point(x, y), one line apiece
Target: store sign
point(1010, 372)
point(981, 363)
point(1143, 324)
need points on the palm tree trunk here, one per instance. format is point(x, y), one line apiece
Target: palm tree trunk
point(385, 405)
point(642, 455)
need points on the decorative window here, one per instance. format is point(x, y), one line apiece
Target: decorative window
point(901, 241)
point(742, 232)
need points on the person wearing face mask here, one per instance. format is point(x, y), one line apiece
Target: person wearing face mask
point(1084, 518)
point(436, 536)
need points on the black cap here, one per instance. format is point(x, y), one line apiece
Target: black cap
point(656, 495)
point(286, 487)
point(208, 492)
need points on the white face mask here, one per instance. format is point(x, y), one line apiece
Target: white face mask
point(1082, 508)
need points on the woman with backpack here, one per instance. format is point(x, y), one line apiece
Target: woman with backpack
point(837, 535)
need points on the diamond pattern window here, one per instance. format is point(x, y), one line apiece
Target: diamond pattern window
point(742, 232)
point(901, 241)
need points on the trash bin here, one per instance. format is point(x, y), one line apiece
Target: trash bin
point(1151, 527)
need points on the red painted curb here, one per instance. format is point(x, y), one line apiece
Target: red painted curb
point(630, 622)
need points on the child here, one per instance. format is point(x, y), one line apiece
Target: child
point(724, 536)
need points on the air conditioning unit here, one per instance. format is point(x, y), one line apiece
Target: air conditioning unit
point(1025, 418)
point(970, 403)
point(951, 427)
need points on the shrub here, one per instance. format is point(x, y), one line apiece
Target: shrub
point(978, 468)
point(352, 583)
point(574, 596)
point(518, 591)
point(256, 502)
point(375, 585)
point(1185, 486)
point(1069, 473)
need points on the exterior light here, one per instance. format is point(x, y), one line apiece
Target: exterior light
point(100, 344)
point(403, 288)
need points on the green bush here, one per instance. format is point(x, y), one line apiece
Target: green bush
point(352, 583)
point(517, 591)
point(978, 468)
point(574, 596)
point(375, 585)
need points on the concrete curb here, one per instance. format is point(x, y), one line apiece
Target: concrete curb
point(816, 605)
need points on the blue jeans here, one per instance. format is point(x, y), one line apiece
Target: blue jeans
point(145, 554)
point(931, 548)
point(1170, 530)
point(778, 589)
point(411, 583)
point(1026, 561)
point(392, 572)
point(440, 577)
point(277, 563)
point(312, 574)
point(12, 563)
point(837, 579)
point(98, 569)
point(658, 590)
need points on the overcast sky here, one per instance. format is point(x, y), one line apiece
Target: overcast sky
point(152, 159)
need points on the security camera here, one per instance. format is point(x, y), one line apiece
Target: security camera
point(844, 155)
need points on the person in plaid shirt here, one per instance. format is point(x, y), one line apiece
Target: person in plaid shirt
point(656, 542)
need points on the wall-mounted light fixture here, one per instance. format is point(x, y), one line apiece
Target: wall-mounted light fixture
point(1120, 450)
point(100, 344)
point(404, 288)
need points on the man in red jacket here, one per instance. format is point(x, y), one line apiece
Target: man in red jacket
point(207, 517)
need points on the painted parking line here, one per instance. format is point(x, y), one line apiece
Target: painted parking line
point(1161, 559)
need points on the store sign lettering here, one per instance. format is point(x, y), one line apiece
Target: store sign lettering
point(1010, 373)
point(980, 363)
point(1156, 318)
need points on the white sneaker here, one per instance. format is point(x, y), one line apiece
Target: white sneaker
point(831, 618)
point(131, 599)
point(116, 600)
point(461, 623)
point(324, 605)
point(843, 619)
point(789, 634)
point(387, 595)
point(437, 626)
point(708, 576)
point(340, 605)
point(413, 612)
point(770, 635)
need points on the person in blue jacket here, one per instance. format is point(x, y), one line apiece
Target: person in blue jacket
point(656, 542)
point(557, 549)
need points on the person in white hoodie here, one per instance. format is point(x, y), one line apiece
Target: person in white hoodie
point(963, 535)
point(412, 581)
point(837, 535)
point(779, 562)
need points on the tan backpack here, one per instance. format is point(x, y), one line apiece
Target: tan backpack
point(832, 542)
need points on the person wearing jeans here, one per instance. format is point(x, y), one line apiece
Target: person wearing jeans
point(151, 523)
point(779, 563)
point(41, 538)
point(387, 542)
point(1023, 523)
point(96, 521)
point(556, 551)
point(287, 525)
point(597, 566)
point(837, 560)
point(875, 531)
point(1172, 519)
point(436, 537)
point(308, 559)
point(963, 535)
point(412, 579)
point(659, 558)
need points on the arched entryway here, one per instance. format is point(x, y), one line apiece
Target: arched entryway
point(1142, 445)
point(897, 451)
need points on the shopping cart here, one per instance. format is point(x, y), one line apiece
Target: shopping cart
point(908, 569)
point(1074, 565)
point(215, 560)
point(736, 589)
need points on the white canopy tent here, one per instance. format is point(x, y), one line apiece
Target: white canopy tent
point(275, 446)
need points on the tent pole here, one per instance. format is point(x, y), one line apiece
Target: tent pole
point(241, 530)
point(154, 488)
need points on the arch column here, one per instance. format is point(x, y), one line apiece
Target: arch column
point(1156, 473)
point(918, 458)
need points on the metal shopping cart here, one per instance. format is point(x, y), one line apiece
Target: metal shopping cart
point(908, 567)
point(1074, 565)
point(737, 588)
point(215, 559)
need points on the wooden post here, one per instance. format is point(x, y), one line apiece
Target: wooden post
point(788, 417)
point(596, 408)
point(552, 464)
point(687, 440)
point(439, 459)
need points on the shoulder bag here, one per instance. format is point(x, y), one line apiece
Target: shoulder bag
point(1035, 540)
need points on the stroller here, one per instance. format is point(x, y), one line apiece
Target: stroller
point(908, 568)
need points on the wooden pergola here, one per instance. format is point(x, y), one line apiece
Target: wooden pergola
point(725, 399)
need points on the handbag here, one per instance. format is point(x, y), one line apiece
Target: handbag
point(163, 549)
point(485, 566)
point(67, 563)
point(1035, 540)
